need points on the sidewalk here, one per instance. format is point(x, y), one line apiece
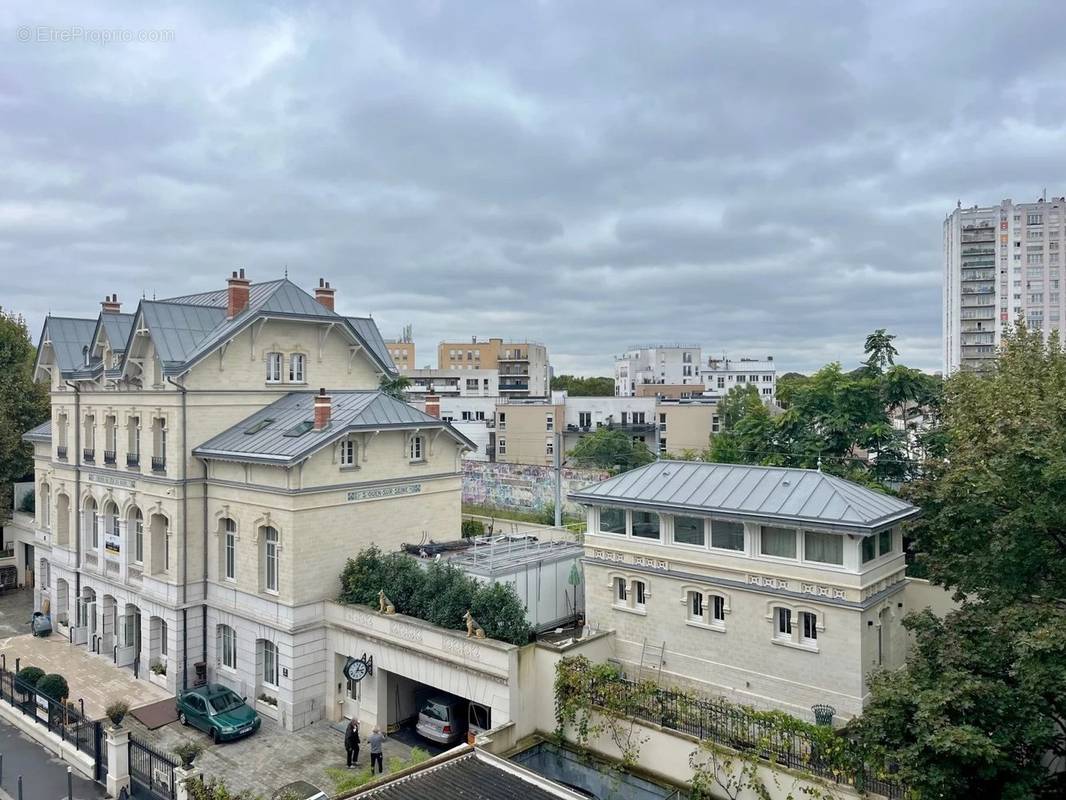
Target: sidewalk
point(44, 777)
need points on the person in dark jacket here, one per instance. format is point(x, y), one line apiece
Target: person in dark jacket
point(351, 742)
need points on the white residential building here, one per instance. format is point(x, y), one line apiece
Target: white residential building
point(452, 383)
point(719, 375)
point(675, 365)
point(1001, 263)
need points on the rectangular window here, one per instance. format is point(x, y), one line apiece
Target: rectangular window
point(501, 421)
point(809, 635)
point(778, 542)
point(612, 520)
point(646, 524)
point(715, 426)
point(717, 608)
point(270, 663)
point(584, 419)
point(270, 556)
point(884, 542)
point(727, 535)
point(621, 592)
point(549, 422)
point(695, 606)
point(297, 362)
point(1033, 219)
point(162, 637)
point(501, 447)
point(231, 550)
point(689, 530)
point(826, 548)
point(549, 447)
point(721, 383)
point(273, 367)
point(783, 623)
point(869, 549)
point(640, 591)
point(229, 647)
point(347, 453)
point(416, 450)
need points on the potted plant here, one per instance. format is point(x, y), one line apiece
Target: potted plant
point(117, 711)
point(267, 705)
point(187, 752)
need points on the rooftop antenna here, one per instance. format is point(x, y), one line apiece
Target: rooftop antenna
point(286, 271)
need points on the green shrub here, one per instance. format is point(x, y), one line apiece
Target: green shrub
point(472, 527)
point(30, 675)
point(441, 594)
point(54, 686)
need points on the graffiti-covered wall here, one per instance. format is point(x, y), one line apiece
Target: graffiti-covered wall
point(524, 487)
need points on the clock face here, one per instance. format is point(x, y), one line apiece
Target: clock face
point(355, 670)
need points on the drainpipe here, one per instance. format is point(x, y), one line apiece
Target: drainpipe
point(77, 503)
point(184, 533)
point(203, 606)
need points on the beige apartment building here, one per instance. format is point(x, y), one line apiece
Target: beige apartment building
point(523, 366)
point(778, 588)
point(197, 496)
point(685, 425)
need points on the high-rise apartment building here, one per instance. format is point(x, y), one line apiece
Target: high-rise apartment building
point(1001, 263)
point(523, 366)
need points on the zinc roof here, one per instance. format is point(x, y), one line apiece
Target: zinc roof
point(69, 336)
point(765, 493)
point(350, 411)
point(42, 433)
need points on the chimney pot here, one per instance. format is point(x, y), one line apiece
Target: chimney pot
point(324, 294)
point(432, 402)
point(110, 304)
point(238, 289)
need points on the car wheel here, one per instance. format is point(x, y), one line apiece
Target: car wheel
point(214, 735)
point(182, 719)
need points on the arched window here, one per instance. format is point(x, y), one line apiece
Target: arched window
point(46, 507)
point(227, 646)
point(91, 520)
point(112, 529)
point(229, 549)
point(297, 372)
point(270, 558)
point(270, 662)
point(273, 367)
point(136, 529)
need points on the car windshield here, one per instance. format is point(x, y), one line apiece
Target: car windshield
point(224, 701)
point(436, 711)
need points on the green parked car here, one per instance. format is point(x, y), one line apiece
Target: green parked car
point(218, 711)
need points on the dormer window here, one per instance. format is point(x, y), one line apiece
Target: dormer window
point(417, 448)
point(273, 367)
point(347, 453)
point(297, 363)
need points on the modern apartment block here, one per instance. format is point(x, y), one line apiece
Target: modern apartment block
point(1001, 263)
point(680, 372)
point(523, 366)
point(452, 383)
point(197, 495)
point(666, 364)
point(402, 350)
point(778, 588)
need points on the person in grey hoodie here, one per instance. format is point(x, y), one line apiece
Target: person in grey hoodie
point(375, 740)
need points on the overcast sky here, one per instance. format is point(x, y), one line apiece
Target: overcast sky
point(758, 178)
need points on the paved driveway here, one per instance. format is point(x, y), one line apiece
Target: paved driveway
point(16, 608)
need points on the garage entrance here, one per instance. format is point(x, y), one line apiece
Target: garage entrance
point(429, 717)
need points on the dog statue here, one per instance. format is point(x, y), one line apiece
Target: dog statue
point(473, 630)
point(385, 605)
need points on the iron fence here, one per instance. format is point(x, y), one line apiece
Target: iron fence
point(151, 771)
point(62, 719)
point(743, 730)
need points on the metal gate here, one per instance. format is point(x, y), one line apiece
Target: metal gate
point(151, 772)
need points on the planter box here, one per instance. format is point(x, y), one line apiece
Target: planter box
point(267, 710)
point(158, 680)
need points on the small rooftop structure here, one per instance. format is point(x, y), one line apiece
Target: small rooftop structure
point(766, 494)
point(466, 773)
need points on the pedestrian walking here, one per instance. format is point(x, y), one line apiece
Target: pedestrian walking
point(375, 740)
point(351, 742)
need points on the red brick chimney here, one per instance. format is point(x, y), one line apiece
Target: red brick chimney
point(323, 406)
point(324, 293)
point(111, 305)
point(433, 405)
point(238, 293)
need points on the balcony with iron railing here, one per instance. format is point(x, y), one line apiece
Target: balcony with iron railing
point(133, 459)
point(159, 463)
point(88, 454)
point(61, 452)
point(109, 457)
point(978, 290)
point(984, 236)
point(974, 275)
point(979, 251)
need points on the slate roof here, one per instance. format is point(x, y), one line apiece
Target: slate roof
point(776, 494)
point(351, 411)
point(470, 774)
point(179, 329)
point(69, 336)
point(42, 433)
point(117, 327)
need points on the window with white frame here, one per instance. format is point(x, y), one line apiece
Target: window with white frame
point(613, 520)
point(270, 663)
point(808, 628)
point(646, 524)
point(346, 455)
point(270, 558)
point(621, 592)
point(46, 507)
point(825, 548)
point(501, 447)
point(297, 368)
point(229, 549)
point(689, 530)
point(137, 524)
point(717, 608)
point(273, 367)
point(640, 595)
point(549, 422)
point(778, 542)
point(695, 606)
point(727, 535)
point(227, 646)
point(783, 623)
point(417, 448)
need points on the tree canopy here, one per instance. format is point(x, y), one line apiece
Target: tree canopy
point(23, 405)
point(611, 449)
point(395, 386)
point(576, 386)
point(980, 708)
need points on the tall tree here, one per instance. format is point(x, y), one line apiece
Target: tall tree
point(880, 351)
point(610, 449)
point(23, 405)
